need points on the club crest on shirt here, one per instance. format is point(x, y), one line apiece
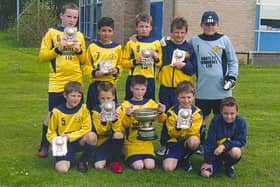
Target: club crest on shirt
point(216, 49)
point(78, 119)
point(187, 54)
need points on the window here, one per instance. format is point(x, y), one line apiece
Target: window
point(90, 13)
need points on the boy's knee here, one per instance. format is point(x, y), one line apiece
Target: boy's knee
point(62, 166)
point(235, 152)
point(205, 173)
point(118, 135)
point(168, 167)
point(90, 138)
point(192, 142)
point(99, 165)
point(138, 165)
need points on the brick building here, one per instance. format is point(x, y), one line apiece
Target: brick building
point(240, 20)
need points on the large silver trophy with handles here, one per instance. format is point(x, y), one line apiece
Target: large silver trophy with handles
point(145, 117)
point(178, 56)
point(59, 146)
point(108, 111)
point(148, 54)
point(184, 119)
point(70, 35)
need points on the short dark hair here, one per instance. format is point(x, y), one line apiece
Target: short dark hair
point(229, 101)
point(106, 87)
point(179, 23)
point(143, 17)
point(73, 86)
point(185, 86)
point(66, 6)
point(105, 21)
point(139, 79)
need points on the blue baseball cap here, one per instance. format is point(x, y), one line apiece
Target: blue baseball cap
point(209, 17)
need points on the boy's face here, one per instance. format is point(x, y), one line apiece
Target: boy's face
point(73, 99)
point(143, 28)
point(105, 96)
point(185, 99)
point(106, 34)
point(229, 113)
point(209, 29)
point(69, 18)
point(178, 35)
point(138, 91)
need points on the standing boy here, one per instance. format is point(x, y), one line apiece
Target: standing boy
point(138, 153)
point(71, 120)
point(174, 69)
point(103, 60)
point(216, 65)
point(182, 142)
point(65, 59)
point(226, 135)
point(142, 56)
point(109, 133)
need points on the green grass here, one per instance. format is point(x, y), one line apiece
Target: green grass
point(23, 93)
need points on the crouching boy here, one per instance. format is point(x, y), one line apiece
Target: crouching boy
point(183, 140)
point(72, 121)
point(226, 135)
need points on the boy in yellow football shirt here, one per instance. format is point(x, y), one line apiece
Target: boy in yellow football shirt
point(138, 153)
point(71, 120)
point(142, 55)
point(182, 142)
point(65, 60)
point(103, 62)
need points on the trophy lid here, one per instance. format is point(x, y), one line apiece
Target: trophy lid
point(108, 106)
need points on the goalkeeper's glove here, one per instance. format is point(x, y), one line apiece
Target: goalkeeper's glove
point(229, 82)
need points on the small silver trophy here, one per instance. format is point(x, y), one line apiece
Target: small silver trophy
point(108, 111)
point(59, 146)
point(70, 35)
point(178, 56)
point(184, 118)
point(147, 53)
point(105, 66)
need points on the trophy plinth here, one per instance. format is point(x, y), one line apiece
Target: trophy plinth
point(59, 146)
point(147, 53)
point(108, 111)
point(178, 56)
point(105, 66)
point(184, 119)
point(70, 35)
point(145, 116)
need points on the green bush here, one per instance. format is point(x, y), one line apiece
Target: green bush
point(34, 22)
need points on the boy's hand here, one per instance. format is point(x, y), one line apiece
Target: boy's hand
point(113, 71)
point(219, 150)
point(179, 65)
point(67, 137)
point(129, 110)
point(141, 60)
point(155, 55)
point(161, 107)
point(204, 170)
point(77, 46)
point(133, 38)
point(63, 44)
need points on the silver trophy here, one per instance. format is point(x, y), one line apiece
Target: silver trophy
point(145, 117)
point(184, 119)
point(147, 53)
point(59, 146)
point(108, 111)
point(105, 66)
point(178, 56)
point(70, 35)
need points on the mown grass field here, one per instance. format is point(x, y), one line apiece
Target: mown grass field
point(23, 101)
